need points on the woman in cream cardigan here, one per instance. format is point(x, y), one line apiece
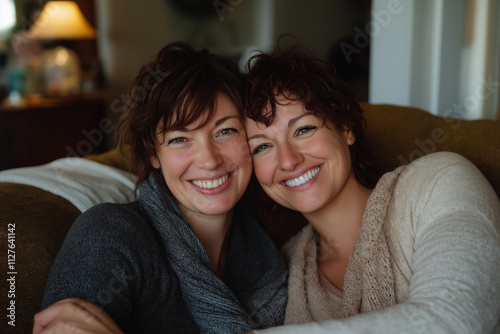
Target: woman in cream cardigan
point(415, 251)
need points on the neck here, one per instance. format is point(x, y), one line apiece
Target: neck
point(338, 222)
point(213, 233)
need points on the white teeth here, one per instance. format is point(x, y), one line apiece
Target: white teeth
point(211, 184)
point(303, 178)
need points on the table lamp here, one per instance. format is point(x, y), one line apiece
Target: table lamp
point(61, 20)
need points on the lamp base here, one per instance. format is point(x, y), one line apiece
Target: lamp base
point(61, 67)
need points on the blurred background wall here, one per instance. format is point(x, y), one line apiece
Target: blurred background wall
point(439, 55)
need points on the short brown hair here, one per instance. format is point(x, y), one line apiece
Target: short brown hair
point(299, 76)
point(171, 92)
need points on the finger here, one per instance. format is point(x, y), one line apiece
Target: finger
point(44, 318)
point(77, 312)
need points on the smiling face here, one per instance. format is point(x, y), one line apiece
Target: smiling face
point(300, 162)
point(207, 169)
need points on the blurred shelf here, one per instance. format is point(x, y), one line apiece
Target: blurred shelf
point(38, 133)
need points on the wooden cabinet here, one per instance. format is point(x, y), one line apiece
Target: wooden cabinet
point(52, 129)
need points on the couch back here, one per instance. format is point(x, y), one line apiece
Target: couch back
point(399, 135)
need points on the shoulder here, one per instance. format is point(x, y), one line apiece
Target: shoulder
point(111, 210)
point(112, 215)
point(441, 161)
point(112, 225)
point(444, 184)
point(445, 172)
point(109, 235)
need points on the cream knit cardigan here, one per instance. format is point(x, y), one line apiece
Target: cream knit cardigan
point(442, 228)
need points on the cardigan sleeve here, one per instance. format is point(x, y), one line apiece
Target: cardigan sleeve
point(454, 215)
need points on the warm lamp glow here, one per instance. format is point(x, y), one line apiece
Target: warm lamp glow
point(61, 20)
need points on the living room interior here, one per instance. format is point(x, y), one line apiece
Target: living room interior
point(432, 55)
point(426, 72)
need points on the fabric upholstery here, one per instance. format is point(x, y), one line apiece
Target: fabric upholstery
point(399, 135)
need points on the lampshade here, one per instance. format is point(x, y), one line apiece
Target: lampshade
point(61, 20)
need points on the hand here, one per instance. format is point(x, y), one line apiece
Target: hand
point(74, 315)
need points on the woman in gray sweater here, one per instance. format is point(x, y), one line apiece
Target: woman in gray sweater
point(182, 258)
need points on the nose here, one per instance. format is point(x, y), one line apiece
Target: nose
point(289, 157)
point(208, 156)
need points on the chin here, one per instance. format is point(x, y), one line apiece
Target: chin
point(217, 209)
point(304, 207)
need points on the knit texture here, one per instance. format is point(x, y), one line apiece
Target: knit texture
point(213, 306)
point(368, 282)
point(144, 266)
point(442, 226)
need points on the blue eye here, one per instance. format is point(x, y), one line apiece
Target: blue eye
point(259, 149)
point(305, 129)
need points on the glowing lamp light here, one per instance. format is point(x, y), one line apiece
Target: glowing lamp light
point(61, 20)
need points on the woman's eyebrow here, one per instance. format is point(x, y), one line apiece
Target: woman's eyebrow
point(256, 136)
point(290, 123)
point(223, 119)
point(293, 120)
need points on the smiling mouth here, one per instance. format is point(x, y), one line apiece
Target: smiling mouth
point(298, 181)
point(211, 184)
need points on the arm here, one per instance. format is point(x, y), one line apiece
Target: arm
point(101, 261)
point(455, 285)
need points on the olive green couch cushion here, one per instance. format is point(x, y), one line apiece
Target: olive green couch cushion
point(399, 135)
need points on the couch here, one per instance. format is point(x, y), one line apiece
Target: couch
point(397, 135)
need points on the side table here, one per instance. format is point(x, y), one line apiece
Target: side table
point(53, 128)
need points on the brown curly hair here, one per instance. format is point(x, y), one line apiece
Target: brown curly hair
point(299, 76)
point(171, 92)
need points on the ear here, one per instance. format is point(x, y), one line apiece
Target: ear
point(155, 162)
point(349, 137)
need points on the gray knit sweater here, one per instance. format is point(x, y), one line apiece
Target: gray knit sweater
point(143, 265)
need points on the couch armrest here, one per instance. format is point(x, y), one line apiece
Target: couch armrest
point(41, 222)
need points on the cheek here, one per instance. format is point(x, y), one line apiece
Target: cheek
point(264, 170)
point(239, 153)
point(328, 146)
point(173, 167)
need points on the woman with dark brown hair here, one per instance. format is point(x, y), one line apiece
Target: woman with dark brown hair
point(417, 252)
point(182, 258)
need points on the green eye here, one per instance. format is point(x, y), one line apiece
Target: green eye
point(177, 140)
